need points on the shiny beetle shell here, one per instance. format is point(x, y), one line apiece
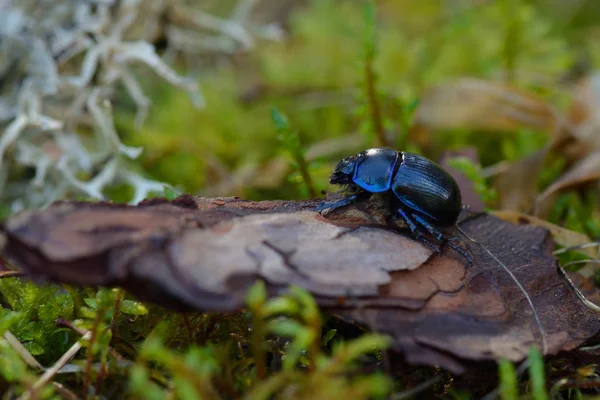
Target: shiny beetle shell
point(424, 190)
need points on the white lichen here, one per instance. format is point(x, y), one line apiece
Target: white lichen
point(60, 63)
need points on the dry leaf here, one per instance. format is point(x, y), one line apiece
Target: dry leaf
point(584, 171)
point(583, 114)
point(517, 185)
point(562, 236)
point(480, 105)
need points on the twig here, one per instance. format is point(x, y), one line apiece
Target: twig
point(83, 332)
point(11, 274)
point(407, 394)
point(22, 351)
point(50, 372)
point(580, 295)
point(577, 247)
point(64, 392)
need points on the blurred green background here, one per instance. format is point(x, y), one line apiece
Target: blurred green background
point(315, 76)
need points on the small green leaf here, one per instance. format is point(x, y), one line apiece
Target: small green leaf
point(12, 367)
point(279, 119)
point(257, 296)
point(141, 385)
point(153, 349)
point(91, 303)
point(202, 360)
point(537, 375)
point(281, 305)
point(134, 308)
point(285, 327)
point(9, 318)
point(34, 348)
point(185, 389)
point(300, 344)
point(169, 193)
point(509, 389)
point(308, 306)
point(348, 351)
point(328, 336)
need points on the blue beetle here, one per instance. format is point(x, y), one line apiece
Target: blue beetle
point(425, 195)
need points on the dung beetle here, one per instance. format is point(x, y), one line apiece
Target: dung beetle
point(421, 192)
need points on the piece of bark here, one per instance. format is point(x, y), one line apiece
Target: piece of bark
point(203, 253)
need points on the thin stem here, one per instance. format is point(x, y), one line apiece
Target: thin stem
point(371, 77)
point(258, 337)
point(50, 372)
point(88, 362)
point(373, 103)
point(303, 169)
point(511, 38)
point(11, 274)
point(413, 392)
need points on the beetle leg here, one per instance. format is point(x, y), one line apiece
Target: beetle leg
point(437, 234)
point(336, 204)
point(416, 232)
point(462, 252)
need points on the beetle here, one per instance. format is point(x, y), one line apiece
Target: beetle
point(421, 192)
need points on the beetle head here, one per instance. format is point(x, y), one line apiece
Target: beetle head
point(343, 172)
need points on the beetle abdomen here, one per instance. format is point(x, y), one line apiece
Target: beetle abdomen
point(427, 189)
point(374, 169)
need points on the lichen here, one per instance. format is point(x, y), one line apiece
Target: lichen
point(61, 65)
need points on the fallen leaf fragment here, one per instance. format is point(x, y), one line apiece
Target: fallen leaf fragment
point(583, 113)
point(517, 190)
point(203, 254)
point(584, 171)
point(562, 236)
point(476, 104)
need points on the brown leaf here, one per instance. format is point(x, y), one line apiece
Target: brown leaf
point(480, 105)
point(584, 171)
point(203, 253)
point(578, 141)
point(517, 190)
point(562, 236)
point(583, 113)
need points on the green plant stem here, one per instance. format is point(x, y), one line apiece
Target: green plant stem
point(258, 337)
point(303, 169)
point(370, 75)
point(373, 102)
point(88, 361)
point(537, 375)
point(511, 38)
point(508, 389)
